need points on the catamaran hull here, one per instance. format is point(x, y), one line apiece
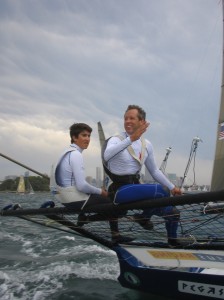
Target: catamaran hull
point(168, 283)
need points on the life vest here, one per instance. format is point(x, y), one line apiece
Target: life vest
point(128, 193)
point(140, 160)
point(68, 194)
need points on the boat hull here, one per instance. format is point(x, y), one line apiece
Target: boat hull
point(168, 283)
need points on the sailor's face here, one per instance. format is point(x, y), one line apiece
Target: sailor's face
point(131, 121)
point(83, 139)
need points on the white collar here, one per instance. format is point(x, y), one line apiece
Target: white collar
point(76, 147)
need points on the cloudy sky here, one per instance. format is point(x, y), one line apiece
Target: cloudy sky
point(66, 61)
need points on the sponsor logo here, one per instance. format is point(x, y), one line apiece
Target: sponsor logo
point(173, 255)
point(202, 289)
point(186, 256)
point(210, 257)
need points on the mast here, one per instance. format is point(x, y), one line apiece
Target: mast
point(164, 162)
point(102, 141)
point(217, 182)
point(192, 155)
point(101, 134)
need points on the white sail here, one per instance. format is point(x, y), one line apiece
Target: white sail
point(102, 140)
point(218, 174)
point(24, 186)
point(29, 187)
point(21, 186)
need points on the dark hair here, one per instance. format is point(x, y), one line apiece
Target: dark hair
point(141, 112)
point(77, 128)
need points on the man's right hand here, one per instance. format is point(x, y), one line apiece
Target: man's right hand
point(139, 131)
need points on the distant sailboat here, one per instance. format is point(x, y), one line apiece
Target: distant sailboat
point(29, 188)
point(21, 186)
point(24, 186)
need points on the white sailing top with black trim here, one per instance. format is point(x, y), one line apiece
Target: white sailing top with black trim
point(70, 176)
point(121, 162)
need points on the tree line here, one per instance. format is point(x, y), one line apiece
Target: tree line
point(39, 184)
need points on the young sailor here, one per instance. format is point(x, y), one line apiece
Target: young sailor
point(123, 159)
point(73, 190)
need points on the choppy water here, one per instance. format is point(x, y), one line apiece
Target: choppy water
point(41, 263)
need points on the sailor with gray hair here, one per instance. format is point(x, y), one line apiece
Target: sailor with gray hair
point(123, 158)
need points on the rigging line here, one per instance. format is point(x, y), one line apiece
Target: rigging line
point(203, 223)
point(187, 220)
point(82, 231)
point(105, 231)
point(202, 59)
point(75, 230)
point(49, 226)
point(194, 169)
point(24, 166)
point(208, 42)
point(193, 150)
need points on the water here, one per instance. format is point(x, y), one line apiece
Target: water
point(38, 263)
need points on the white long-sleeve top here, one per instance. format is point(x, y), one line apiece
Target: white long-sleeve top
point(121, 162)
point(71, 171)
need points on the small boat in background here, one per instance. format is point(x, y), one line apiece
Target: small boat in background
point(24, 185)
